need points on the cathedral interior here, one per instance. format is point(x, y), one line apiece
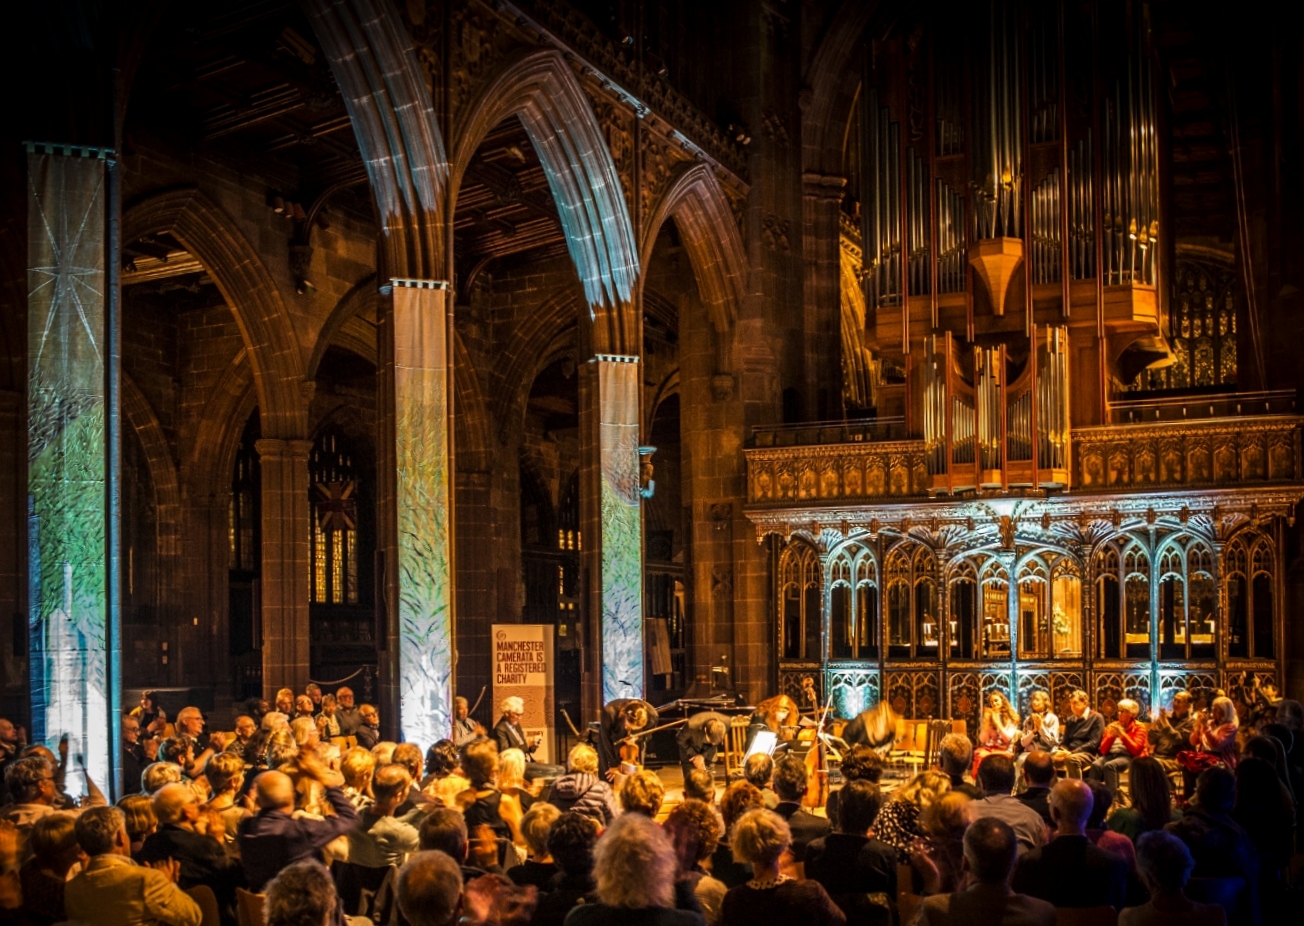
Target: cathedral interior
point(920, 349)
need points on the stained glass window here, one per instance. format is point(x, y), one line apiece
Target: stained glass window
point(333, 487)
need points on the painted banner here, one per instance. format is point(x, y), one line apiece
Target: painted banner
point(622, 528)
point(523, 667)
point(67, 454)
point(425, 593)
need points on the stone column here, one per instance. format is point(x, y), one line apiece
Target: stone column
point(612, 518)
point(422, 648)
point(285, 554)
point(822, 294)
point(13, 547)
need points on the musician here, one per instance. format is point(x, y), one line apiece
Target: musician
point(778, 715)
point(875, 728)
point(700, 740)
point(1171, 731)
point(1080, 742)
point(620, 720)
point(509, 734)
point(464, 728)
point(999, 729)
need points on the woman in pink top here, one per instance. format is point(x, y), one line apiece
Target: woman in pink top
point(1214, 739)
point(1000, 727)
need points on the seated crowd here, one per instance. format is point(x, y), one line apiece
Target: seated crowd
point(1190, 818)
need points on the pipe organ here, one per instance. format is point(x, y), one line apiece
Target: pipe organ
point(1019, 517)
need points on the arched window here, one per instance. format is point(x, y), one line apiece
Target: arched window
point(994, 583)
point(1261, 598)
point(1236, 578)
point(799, 570)
point(928, 629)
point(1172, 604)
point(1201, 602)
point(842, 637)
point(1034, 614)
point(1136, 603)
point(913, 617)
point(963, 623)
point(1109, 603)
point(898, 572)
point(866, 607)
point(1066, 609)
point(333, 488)
point(853, 604)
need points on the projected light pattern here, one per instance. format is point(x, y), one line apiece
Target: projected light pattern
point(622, 534)
point(422, 488)
point(67, 456)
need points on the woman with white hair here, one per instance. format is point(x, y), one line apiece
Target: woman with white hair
point(1214, 737)
point(509, 734)
point(760, 838)
point(635, 867)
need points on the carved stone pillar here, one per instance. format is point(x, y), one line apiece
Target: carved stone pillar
point(285, 554)
point(822, 295)
point(612, 518)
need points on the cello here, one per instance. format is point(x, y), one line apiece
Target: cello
point(817, 761)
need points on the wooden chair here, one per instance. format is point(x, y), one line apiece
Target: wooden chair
point(344, 742)
point(203, 895)
point(249, 907)
point(1086, 916)
point(910, 751)
point(735, 747)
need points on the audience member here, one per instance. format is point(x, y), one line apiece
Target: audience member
point(112, 890)
point(570, 843)
point(738, 799)
point(1069, 871)
point(444, 830)
point(760, 839)
point(1165, 865)
point(134, 754)
point(274, 838)
point(1124, 740)
point(695, 829)
point(347, 712)
point(1218, 844)
point(582, 789)
point(758, 770)
point(430, 890)
point(482, 803)
point(898, 821)
point(700, 786)
point(1171, 731)
point(790, 781)
point(245, 728)
point(32, 787)
point(138, 815)
point(380, 838)
point(937, 856)
point(1266, 813)
point(996, 778)
point(1041, 729)
point(642, 793)
point(302, 894)
point(226, 777)
point(183, 836)
point(1151, 801)
point(511, 777)
point(954, 757)
point(851, 864)
point(1038, 775)
point(54, 848)
point(1080, 741)
point(368, 728)
point(990, 851)
point(443, 781)
point(859, 763)
point(634, 868)
point(998, 730)
point(538, 868)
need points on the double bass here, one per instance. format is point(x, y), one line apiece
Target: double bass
point(817, 759)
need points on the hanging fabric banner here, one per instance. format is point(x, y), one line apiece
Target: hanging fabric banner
point(425, 583)
point(67, 454)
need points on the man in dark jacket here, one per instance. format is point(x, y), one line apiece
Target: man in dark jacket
point(851, 864)
point(273, 839)
point(790, 784)
point(1069, 871)
point(1038, 776)
point(201, 857)
point(509, 734)
point(700, 739)
point(621, 719)
point(1080, 743)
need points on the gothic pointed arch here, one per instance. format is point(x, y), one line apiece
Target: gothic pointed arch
point(540, 89)
point(831, 83)
point(138, 413)
point(715, 248)
point(534, 345)
point(237, 270)
point(231, 402)
point(389, 105)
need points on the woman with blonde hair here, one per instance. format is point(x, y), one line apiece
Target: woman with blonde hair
point(538, 868)
point(138, 814)
point(739, 798)
point(634, 867)
point(937, 856)
point(999, 729)
point(760, 839)
point(582, 789)
point(898, 821)
point(511, 777)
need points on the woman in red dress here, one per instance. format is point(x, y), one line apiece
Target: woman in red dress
point(999, 729)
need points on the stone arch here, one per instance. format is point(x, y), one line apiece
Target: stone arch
point(223, 418)
point(540, 89)
point(475, 448)
point(831, 84)
point(340, 329)
point(534, 344)
point(665, 389)
point(248, 289)
point(385, 93)
point(138, 413)
point(711, 238)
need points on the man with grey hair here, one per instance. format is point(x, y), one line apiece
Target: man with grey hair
point(954, 756)
point(1069, 871)
point(1124, 740)
point(190, 724)
point(430, 889)
point(112, 889)
point(509, 734)
point(700, 739)
point(347, 711)
point(183, 835)
point(990, 850)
